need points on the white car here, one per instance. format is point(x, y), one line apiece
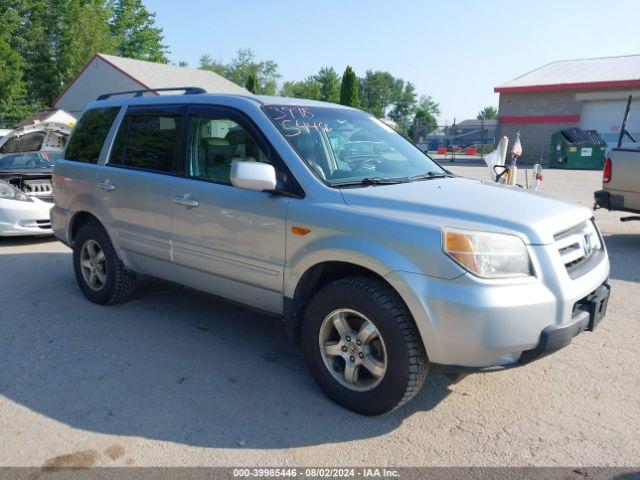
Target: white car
point(27, 156)
point(21, 214)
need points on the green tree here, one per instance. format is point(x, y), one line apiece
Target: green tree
point(379, 91)
point(309, 89)
point(40, 48)
point(404, 106)
point(329, 82)
point(13, 100)
point(349, 89)
point(135, 32)
point(245, 64)
point(208, 63)
point(424, 120)
point(241, 66)
point(251, 84)
point(488, 113)
point(84, 33)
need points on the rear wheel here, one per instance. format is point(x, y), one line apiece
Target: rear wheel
point(362, 346)
point(100, 274)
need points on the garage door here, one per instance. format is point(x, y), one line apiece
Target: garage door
point(606, 117)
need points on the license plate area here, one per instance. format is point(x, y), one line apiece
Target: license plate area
point(596, 303)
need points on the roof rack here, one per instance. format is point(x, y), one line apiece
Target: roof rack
point(139, 93)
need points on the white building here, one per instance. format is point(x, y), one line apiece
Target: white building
point(108, 73)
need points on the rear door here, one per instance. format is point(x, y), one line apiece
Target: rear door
point(226, 240)
point(134, 187)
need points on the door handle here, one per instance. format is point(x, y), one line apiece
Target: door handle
point(109, 187)
point(187, 202)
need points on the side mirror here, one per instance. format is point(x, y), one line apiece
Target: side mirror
point(253, 176)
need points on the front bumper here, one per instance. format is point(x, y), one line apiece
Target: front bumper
point(19, 218)
point(470, 325)
point(587, 314)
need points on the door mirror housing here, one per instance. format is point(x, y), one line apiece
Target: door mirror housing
point(253, 176)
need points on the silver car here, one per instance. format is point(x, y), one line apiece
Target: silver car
point(381, 262)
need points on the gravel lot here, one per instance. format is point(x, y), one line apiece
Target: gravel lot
point(175, 377)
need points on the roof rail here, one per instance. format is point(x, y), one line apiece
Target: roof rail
point(139, 93)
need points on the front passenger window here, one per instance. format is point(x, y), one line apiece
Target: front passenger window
point(217, 143)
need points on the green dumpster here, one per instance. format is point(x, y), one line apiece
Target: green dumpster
point(577, 149)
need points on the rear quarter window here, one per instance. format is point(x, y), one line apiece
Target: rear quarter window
point(89, 135)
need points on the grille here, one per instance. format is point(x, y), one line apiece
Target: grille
point(578, 245)
point(44, 224)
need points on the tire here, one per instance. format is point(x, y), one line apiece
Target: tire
point(400, 348)
point(118, 283)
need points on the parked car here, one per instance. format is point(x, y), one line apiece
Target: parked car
point(380, 268)
point(621, 176)
point(27, 156)
point(26, 196)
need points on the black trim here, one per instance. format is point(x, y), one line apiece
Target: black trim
point(139, 93)
point(587, 313)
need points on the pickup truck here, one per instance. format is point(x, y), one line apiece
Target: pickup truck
point(621, 177)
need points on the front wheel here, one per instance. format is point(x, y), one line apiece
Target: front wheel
point(362, 345)
point(100, 274)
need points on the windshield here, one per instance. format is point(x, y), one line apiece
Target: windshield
point(349, 146)
point(35, 160)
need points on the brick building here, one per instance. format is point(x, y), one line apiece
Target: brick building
point(591, 94)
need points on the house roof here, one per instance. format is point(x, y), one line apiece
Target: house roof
point(151, 75)
point(604, 72)
point(474, 122)
point(161, 75)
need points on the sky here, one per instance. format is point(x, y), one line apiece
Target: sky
point(455, 51)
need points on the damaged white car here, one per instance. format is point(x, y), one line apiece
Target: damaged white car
point(27, 157)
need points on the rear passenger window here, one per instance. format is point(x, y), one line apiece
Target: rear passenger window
point(89, 134)
point(148, 141)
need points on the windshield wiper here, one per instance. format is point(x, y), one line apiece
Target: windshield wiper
point(428, 176)
point(369, 181)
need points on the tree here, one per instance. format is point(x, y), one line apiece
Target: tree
point(404, 106)
point(329, 82)
point(208, 63)
point(135, 33)
point(308, 88)
point(244, 64)
point(13, 100)
point(488, 113)
point(39, 47)
point(378, 91)
point(251, 84)
point(424, 120)
point(349, 89)
point(84, 33)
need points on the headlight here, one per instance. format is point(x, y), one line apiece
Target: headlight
point(12, 193)
point(488, 255)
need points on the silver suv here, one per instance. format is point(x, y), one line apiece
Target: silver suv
point(380, 261)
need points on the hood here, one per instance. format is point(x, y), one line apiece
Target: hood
point(465, 203)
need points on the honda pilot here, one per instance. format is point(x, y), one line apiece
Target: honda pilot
point(381, 262)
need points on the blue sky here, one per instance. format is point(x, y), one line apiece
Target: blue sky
point(455, 51)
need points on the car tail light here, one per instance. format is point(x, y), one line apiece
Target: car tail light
point(606, 174)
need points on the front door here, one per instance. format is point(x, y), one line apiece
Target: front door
point(226, 240)
point(135, 185)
